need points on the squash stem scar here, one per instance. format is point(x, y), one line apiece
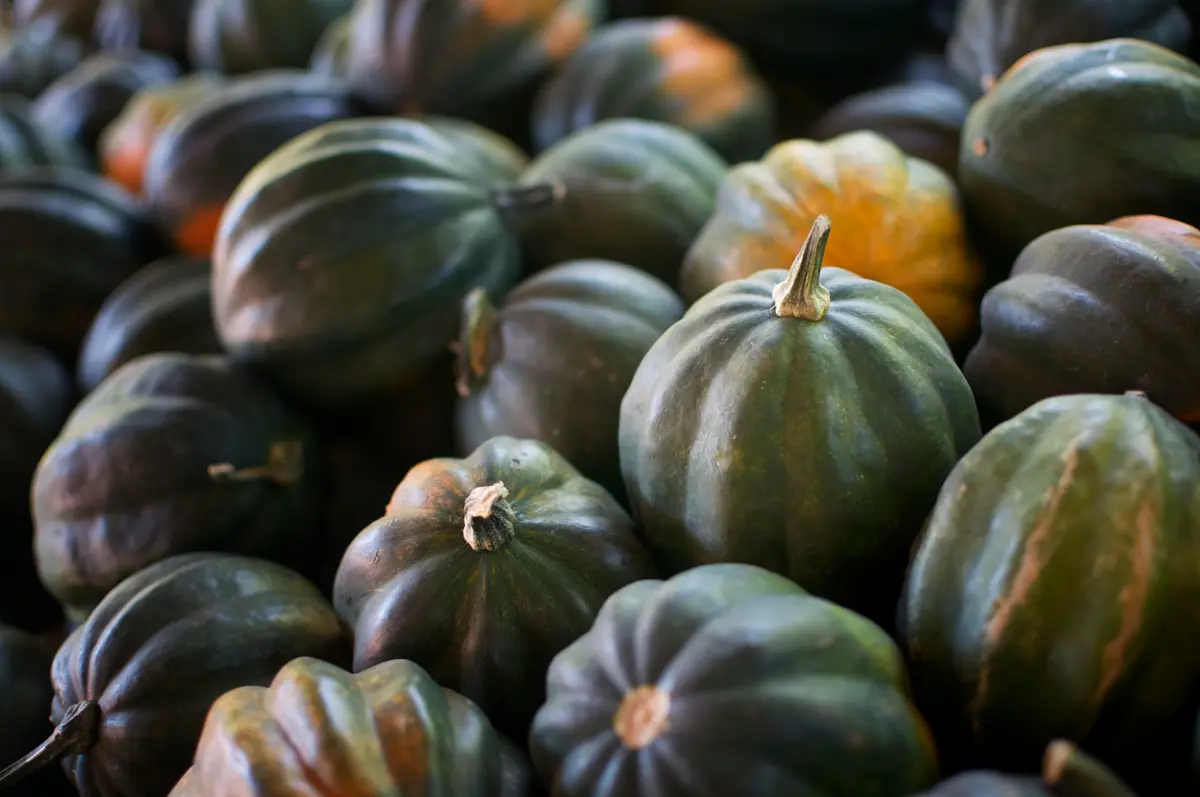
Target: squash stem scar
point(489, 521)
point(642, 717)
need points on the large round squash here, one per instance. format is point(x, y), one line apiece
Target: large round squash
point(668, 70)
point(802, 421)
point(172, 453)
point(388, 730)
point(900, 218)
point(483, 569)
point(394, 222)
point(33, 58)
point(236, 36)
point(554, 361)
point(1081, 134)
point(1054, 591)
point(728, 679)
point(158, 26)
point(25, 142)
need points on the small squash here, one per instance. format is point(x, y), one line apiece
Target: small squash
point(133, 683)
point(25, 142)
point(172, 453)
point(801, 421)
point(236, 36)
point(73, 18)
point(157, 26)
point(1053, 593)
point(728, 679)
point(1067, 771)
point(409, 737)
point(554, 361)
point(163, 307)
point(667, 70)
point(33, 58)
point(482, 569)
point(902, 217)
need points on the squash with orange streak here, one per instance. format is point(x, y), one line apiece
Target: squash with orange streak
point(389, 730)
point(902, 224)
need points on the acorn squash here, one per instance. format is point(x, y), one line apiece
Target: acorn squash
point(172, 453)
point(73, 18)
point(388, 730)
point(668, 70)
point(729, 679)
point(1053, 594)
point(133, 683)
point(25, 142)
point(484, 568)
point(1067, 771)
point(236, 36)
point(159, 26)
point(33, 58)
point(801, 421)
point(902, 224)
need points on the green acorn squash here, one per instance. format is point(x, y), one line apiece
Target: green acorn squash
point(729, 680)
point(33, 58)
point(133, 683)
point(1067, 771)
point(158, 26)
point(654, 183)
point(25, 142)
point(801, 421)
point(1053, 593)
point(164, 307)
point(73, 18)
point(172, 453)
point(1020, 181)
point(554, 361)
point(236, 36)
point(409, 737)
point(1097, 308)
point(483, 569)
point(394, 221)
point(668, 70)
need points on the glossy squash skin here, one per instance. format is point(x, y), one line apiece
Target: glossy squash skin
point(1098, 308)
point(728, 679)
point(989, 36)
point(157, 26)
point(801, 421)
point(25, 142)
point(900, 222)
point(165, 306)
point(483, 569)
point(668, 70)
point(388, 730)
point(236, 36)
point(378, 327)
point(202, 155)
point(1020, 182)
point(1053, 590)
point(553, 362)
point(73, 18)
point(656, 183)
point(33, 58)
point(166, 643)
point(172, 453)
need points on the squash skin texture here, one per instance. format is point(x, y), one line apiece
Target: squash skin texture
point(770, 691)
point(1053, 593)
point(388, 731)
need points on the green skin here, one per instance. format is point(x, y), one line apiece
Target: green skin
point(130, 479)
point(24, 143)
point(654, 183)
point(1072, 318)
point(770, 692)
point(238, 36)
point(1053, 593)
point(486, 620)
point(1067, 771)
point(1126, 109)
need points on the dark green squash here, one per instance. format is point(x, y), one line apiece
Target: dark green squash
point(68, 238)
point(667, 70)
point(628, 190)
point(1053, 594)
point(1081, 134)
point(157, 26)
point(25, 142)
point(33, 58)
point(483, 569)
point(25, 695)
point(730, 680)
point(133, 683)
point(172, 453)
point(395, 221)
point(554, 361)
point(941, 18)
point(409, 735)
point(1094, 309)
point(73, 18)
point(498, 156)
point(801, 421)
point(236, 36)
point(331, 50)
point(989, 36)
point(164, 307)
point(1067, 771)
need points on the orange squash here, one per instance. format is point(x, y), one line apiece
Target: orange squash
point(901, 219)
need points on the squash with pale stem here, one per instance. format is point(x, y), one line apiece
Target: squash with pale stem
point(1067, 771)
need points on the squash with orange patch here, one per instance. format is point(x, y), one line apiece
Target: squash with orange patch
point(668, 70)
point(901, 224)
point(1054, 592)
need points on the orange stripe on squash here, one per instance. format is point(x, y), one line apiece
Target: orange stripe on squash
point(706, 73)
point(195, 236)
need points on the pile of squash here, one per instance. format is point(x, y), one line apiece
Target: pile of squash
point(599, 398)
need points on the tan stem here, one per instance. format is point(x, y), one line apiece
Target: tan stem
point(76, 734)
point(1069, 772)
point(802, 295)
point(284, 466)
point(489, 522)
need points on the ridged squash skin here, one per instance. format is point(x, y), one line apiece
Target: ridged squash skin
point(238, 36)
point(1054, 591)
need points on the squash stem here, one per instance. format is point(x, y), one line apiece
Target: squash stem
point(802, 295)
point(516, 203)
point(489, 521)
point(284, 466)
point(75, 735)
point(1069, 772)
point(473, 352)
